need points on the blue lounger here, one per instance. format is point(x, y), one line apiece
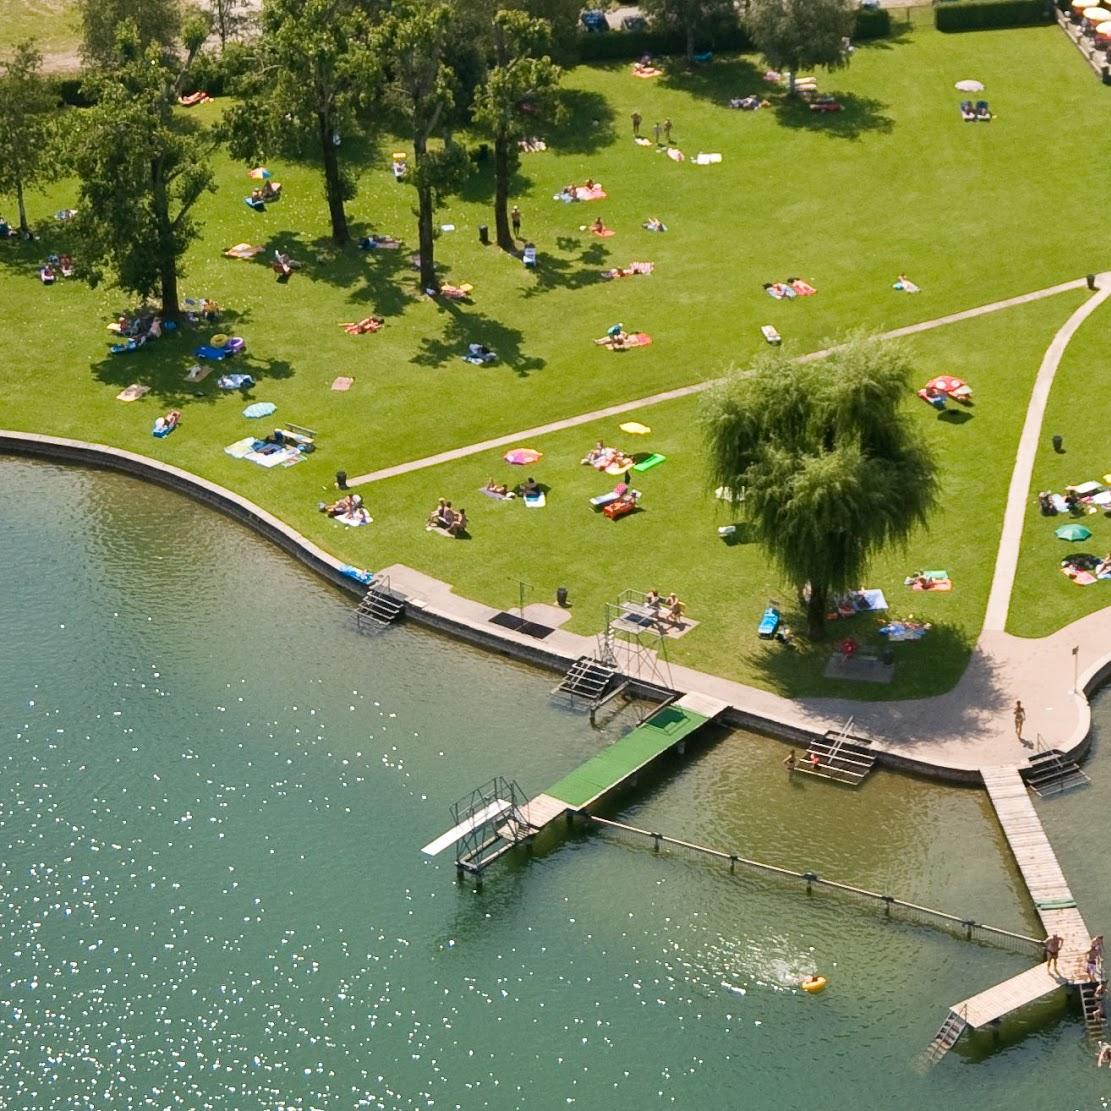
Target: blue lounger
point(769, 623)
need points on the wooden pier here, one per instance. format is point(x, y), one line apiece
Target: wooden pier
point(1056, 907)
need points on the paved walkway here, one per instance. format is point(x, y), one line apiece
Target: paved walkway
point(684, 391)
point(1010, 540)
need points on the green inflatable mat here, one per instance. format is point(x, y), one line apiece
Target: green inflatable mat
point(653, 460)
point(1056, 904)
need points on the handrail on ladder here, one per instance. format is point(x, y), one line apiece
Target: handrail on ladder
point(835, 748)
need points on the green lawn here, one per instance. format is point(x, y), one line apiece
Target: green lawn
point(1044, 600)
point(895, 183)
point(55, 25)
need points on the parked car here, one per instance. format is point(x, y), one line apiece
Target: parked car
point(594, 20)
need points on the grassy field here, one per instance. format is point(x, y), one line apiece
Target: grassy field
point(895, 183)
point(54, 24)
point(1044, 599)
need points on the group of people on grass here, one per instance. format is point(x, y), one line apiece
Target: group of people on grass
point(55, 266)
point(266, 193)
point(349, 506)
point(447, 519)
point(603, 458)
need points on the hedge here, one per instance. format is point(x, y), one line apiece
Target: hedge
point(975, 15)
point(608, 46)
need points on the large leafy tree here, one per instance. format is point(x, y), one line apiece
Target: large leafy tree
point(695, 18)
point(800, 34)
point(316, 68)
point(229, 18)
point(154, 21)
point(827, 463)
point(519, 85)
point(421, 92)
point(27, 121)
point(141, 167)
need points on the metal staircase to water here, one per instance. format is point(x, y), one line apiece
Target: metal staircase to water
point(1050, 772)
point(838, 758)
point(1095, 1017)
point(587, 678)
point(946, 1038)
point(380, 606)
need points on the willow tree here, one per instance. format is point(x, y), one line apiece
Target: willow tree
point(829, 466)
point(799, 34)
point(519, 86)
point(315, 69)
point(420, 89)
point(141, 165)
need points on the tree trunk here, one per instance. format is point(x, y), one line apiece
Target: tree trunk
point(164, 236)
point(333, 186)
point(25, 231)
point(171, 310)
point(816, 609)
point(501, 194)
point(791, 83)
point(425, 214)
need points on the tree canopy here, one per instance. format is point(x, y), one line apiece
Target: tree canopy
point(315, 69)
point(823, 460)
point(519, 88)
point(800, 34)
point(696, 18)
point(154, 21)
point(26, 125)
point(141, 167)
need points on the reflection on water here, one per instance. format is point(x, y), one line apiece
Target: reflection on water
point(212, 796)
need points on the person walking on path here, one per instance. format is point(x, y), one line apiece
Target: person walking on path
point(1052, 952)
point(515, 219)
point(636, 125)
point(667, 131)
point(1020, 719)
point(656, 131)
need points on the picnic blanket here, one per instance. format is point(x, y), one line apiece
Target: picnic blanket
point(635, 339)
point(342, 383)
point(354, 520)
point(132, 392)
point(597, 193)
point(605, 233)
point(701, 159)
point(676, 155)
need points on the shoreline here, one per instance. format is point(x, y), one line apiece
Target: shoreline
point(431, 604)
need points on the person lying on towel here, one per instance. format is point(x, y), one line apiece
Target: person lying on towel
point(271, 190)
point(342, 507)
point(361, 327)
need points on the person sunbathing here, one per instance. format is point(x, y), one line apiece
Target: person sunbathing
point(529, 488)
point(458, 523)
point(779, 291)
point(654, 224)
point(374, 242)
point(1104, 566)
point(497, 488)
point(210, 310)
point(967, 111)
point(598, 227)
point(456, 292)
point(284, 266)
point(905, 284)
point(163, 426)
point(255, 200)
point(598, 456)
point(65, 264)
point(271, 190)
point(615, 336)
point(341, 508)
point(361, 327)
point(802, 288)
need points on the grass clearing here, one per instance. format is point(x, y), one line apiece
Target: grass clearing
point(896, 183)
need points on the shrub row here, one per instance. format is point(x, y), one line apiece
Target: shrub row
point(976, 15)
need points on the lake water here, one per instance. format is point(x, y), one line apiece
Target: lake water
point(213, 792)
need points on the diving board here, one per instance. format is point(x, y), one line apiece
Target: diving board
point(496, 809)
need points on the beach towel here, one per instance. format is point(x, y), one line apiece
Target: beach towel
point(646, 71)
point(358, 574)
point(770, 334)
point(706, 159)
point(235, 381)
point(1079, 575)
point(495, 495)
point(676, 155)
point(132, 392)
point(354, 520)
point(342, 383)
point(243, 250)
point(605, 233)
point(213, 353)
point(641, 141)
point(241, 448)
point(535, 501)
point(125, 348)
point(935, 584)
point(604, 499)
point(653, 460)
point(259, 409)
point(258, 206)
point(635, 428)
point(872, 600)
point(636, 339)
point(904, 285)
point(161, 431)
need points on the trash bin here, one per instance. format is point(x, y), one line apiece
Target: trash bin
point(1058, 444)
point(341, 479)
point(484, 235)
point(561, 597)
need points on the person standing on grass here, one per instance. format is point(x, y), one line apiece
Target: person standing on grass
point(667, 131)
point(1020, 719)
point(636, 125)
point(1053, 945)
point(515, 219)
point(656, 131)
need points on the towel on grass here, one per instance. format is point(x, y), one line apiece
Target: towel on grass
point(676, 155)
point(198, 373)
point(935, 584)
point(342, 383)
point(244, 250)
point(354, 520)
point(241, 448)
point(706, 159)
point(132, 392)
point(636, 339)
point(535, 501)
point(234, 381)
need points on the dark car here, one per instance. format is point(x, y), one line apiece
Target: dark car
point(594, 20)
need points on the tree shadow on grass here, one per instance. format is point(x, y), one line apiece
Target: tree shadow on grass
point(462, 328)
point(719, 81)
point(588, 125)
point(955, 416)
point(859, 114)
point(552, 272)
point(478, 186)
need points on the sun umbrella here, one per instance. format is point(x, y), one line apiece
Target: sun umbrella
point(522, 456)
point(944, 382)
point(1073, 532)
point(259, 409)
point(1097, 15)
point(1080, 5)
point(970, 86)
point(635, 428)
point(1104, 29)
point(259, 173)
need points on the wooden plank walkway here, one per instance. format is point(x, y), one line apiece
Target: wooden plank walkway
point(542, 810)
point(1052, 899)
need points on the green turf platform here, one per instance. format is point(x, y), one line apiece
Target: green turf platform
point(605, 771)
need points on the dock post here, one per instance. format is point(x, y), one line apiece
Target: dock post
point(732, 865)
point(969, 925)
point(657, 837)
point(887, 901)
point(810, 878)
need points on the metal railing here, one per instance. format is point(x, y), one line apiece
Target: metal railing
point(969, 928)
